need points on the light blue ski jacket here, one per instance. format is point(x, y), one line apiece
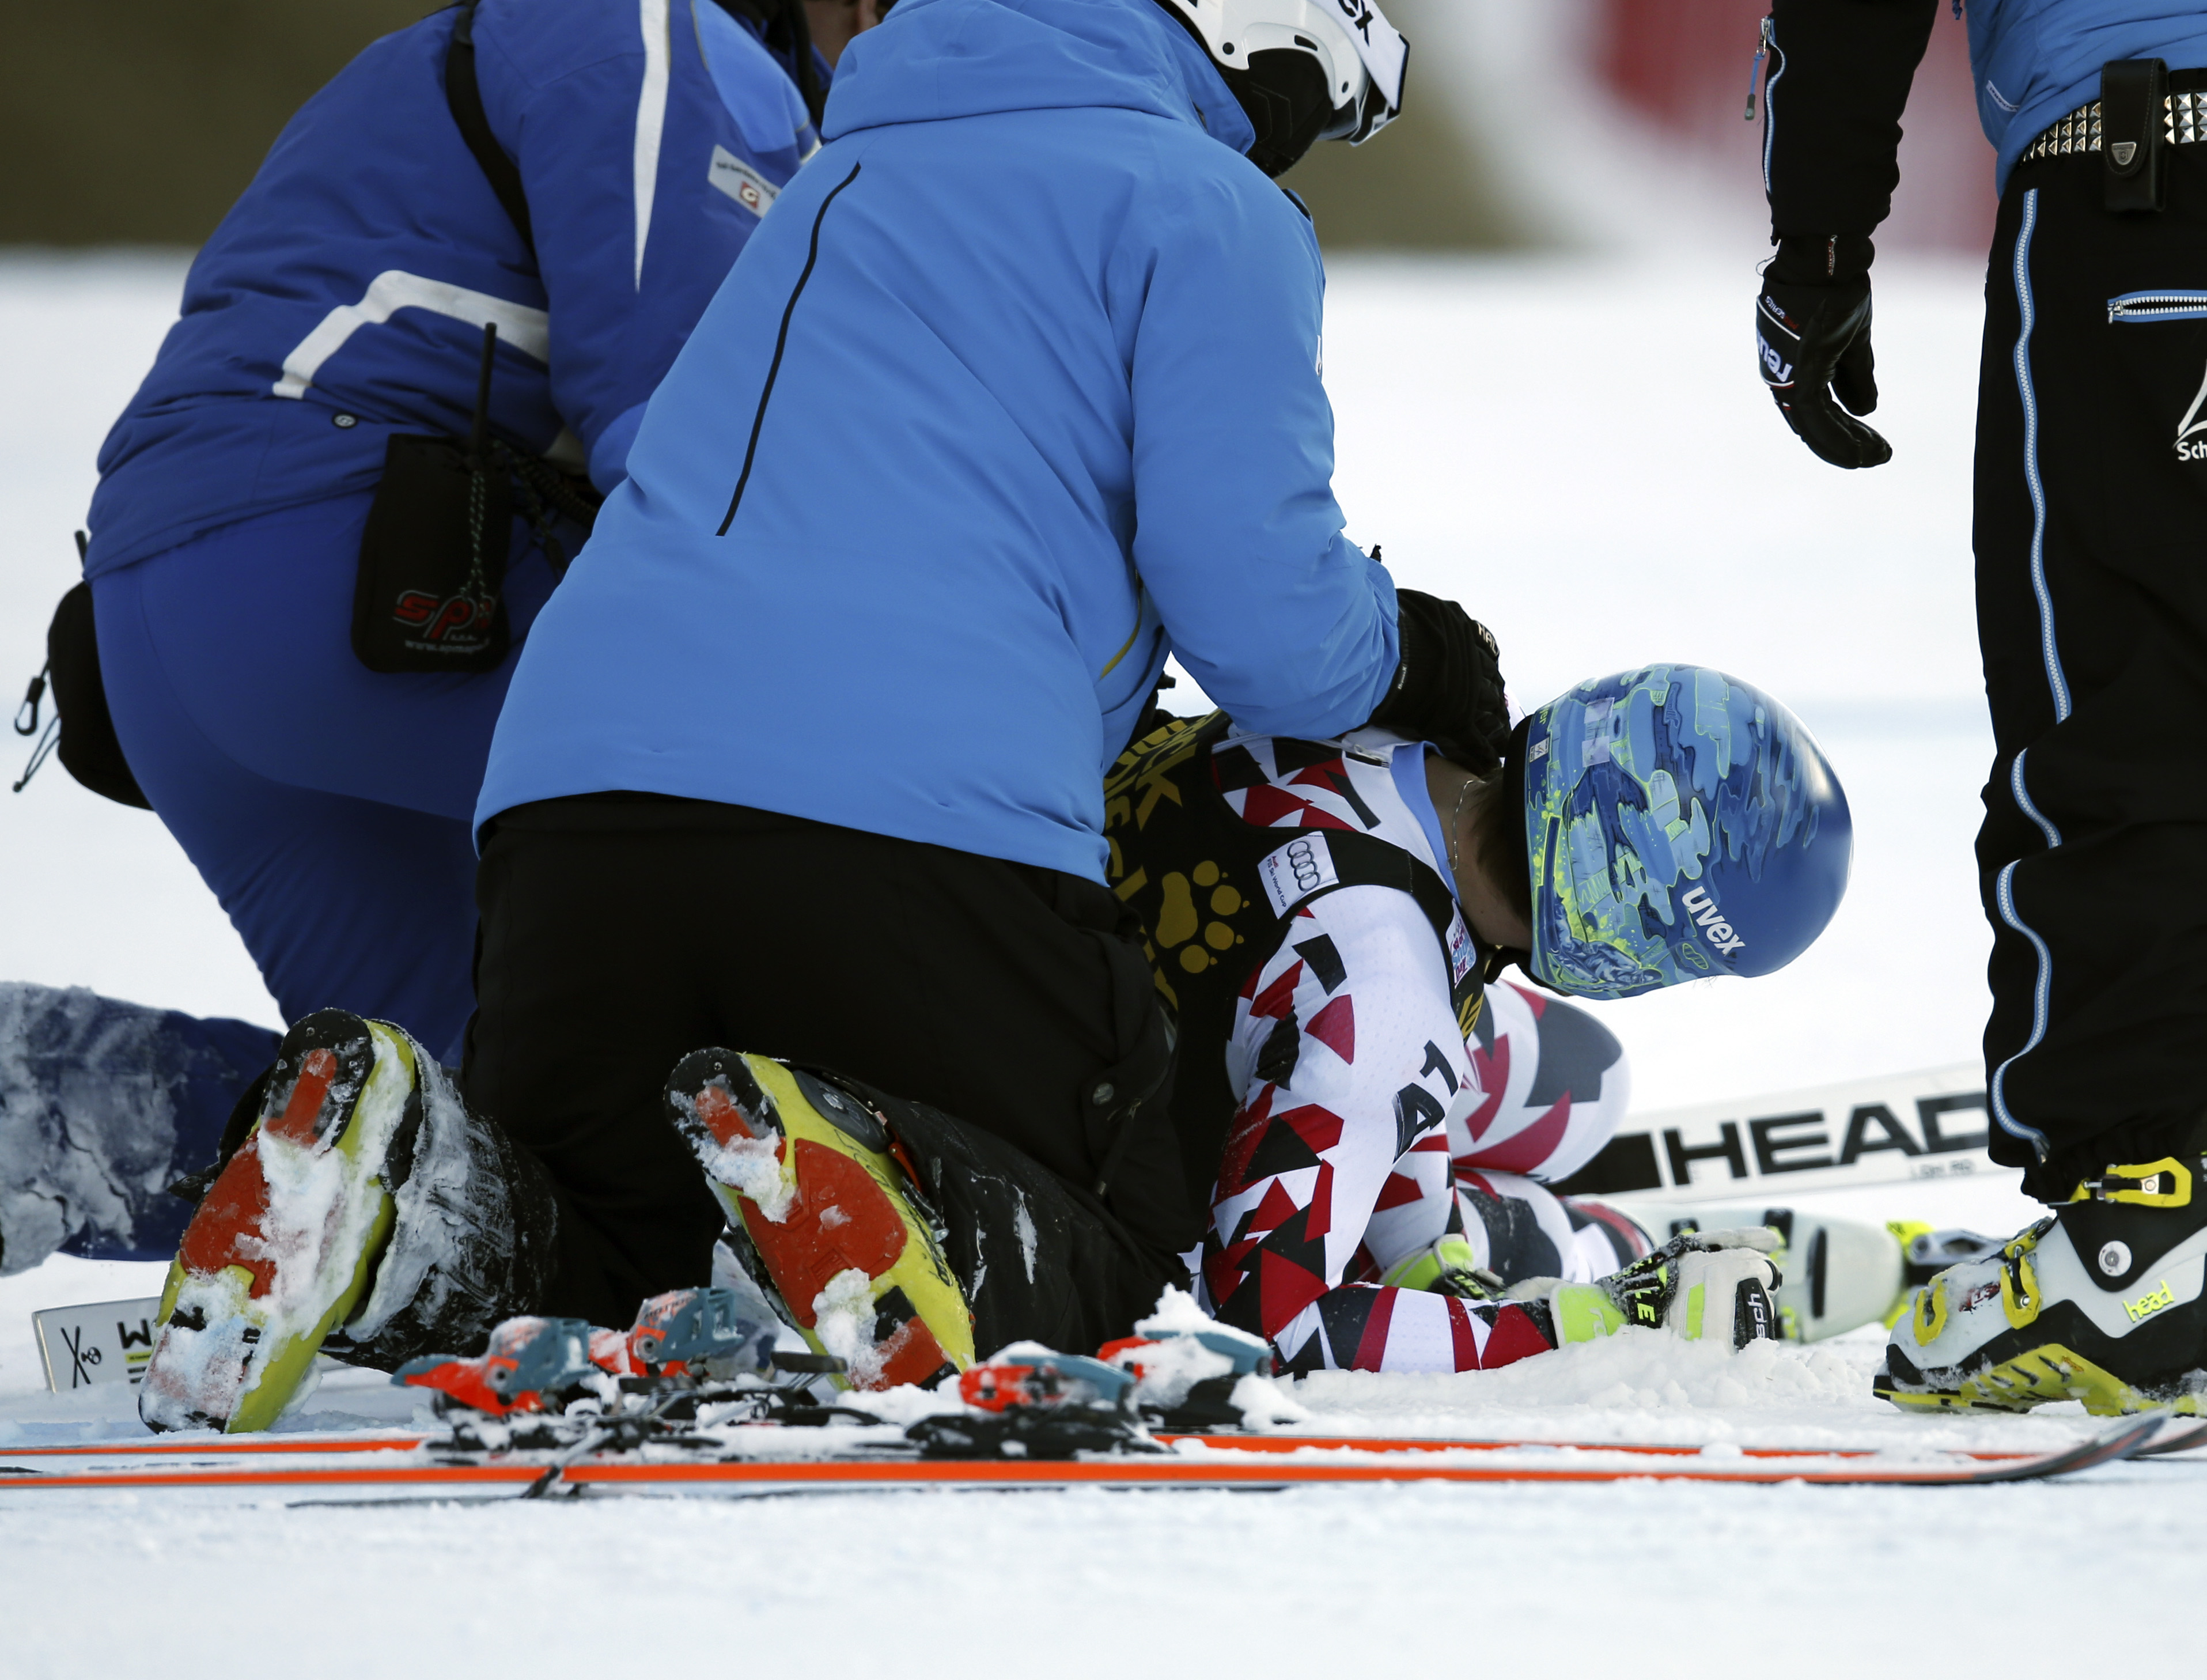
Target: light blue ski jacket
point(345, 296)
point(1015, 391)
point(2035, 61)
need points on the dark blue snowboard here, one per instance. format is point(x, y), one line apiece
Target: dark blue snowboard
point(103, 1105)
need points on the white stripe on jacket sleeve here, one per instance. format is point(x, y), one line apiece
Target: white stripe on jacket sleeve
point(527, 329)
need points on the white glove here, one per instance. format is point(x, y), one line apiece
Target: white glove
point(1703, 1286)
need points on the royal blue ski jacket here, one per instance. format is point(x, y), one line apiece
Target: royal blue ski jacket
point(2035, 61)
point(1016, 390)
point(345, 296)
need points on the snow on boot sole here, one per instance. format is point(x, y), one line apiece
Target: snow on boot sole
point(282, 1248)
point(808, 1175)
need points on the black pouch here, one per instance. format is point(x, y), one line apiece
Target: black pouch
point(81, 730)
point(87, 748)
point(433, 561)
point(433, 557)
point(2131, 94)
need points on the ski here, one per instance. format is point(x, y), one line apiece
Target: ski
point(1184, 1464)
point(2174, 1440)
point(1892, 1129)
point(251, 1446)
point(1445, 1444)
point(221, 1446)
point(256, 1446)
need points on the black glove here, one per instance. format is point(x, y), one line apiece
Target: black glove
point(1448, 689)
point(1813, 341)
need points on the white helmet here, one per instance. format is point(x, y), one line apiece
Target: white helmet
point(1304, 70)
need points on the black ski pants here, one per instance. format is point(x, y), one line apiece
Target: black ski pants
point(621, 931)
point(2091, 552)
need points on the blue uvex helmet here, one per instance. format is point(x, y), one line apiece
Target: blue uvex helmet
point(1679, 824)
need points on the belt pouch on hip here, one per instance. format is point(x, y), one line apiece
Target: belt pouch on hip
point(433, 556)
point(2132, 93)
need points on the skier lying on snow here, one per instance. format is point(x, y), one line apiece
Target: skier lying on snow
point(1360, 1121)
point(1368, 1117)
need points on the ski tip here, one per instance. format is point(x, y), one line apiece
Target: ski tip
point(2175, 1435)
point(2131, 1437)
point(2109, 1447)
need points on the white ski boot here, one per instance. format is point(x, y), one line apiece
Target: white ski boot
point(2104, 1302)
point(1840, 1274)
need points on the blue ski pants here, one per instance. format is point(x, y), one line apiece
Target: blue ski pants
point(327, 806)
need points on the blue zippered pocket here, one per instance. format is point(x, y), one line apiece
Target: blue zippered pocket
point(2146, 307)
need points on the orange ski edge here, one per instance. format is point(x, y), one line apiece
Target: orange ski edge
point(1267, 1470)
point(236, 1446)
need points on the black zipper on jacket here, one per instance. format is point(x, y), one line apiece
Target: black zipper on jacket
point(780, 343)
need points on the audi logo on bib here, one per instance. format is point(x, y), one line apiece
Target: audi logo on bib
point(1291, 873)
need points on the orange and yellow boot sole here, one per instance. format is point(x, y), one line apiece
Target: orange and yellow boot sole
point(810, 1175)
point(284, 1243)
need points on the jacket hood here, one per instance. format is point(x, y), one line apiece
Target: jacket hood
point(934, 59)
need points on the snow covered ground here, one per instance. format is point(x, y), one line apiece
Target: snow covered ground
point(1580, 451)
point(1659, 1580)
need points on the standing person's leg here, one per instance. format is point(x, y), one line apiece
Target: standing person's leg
point(2092, 607)
point(2092, 612)
point(621, 933)
point(327, 806)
